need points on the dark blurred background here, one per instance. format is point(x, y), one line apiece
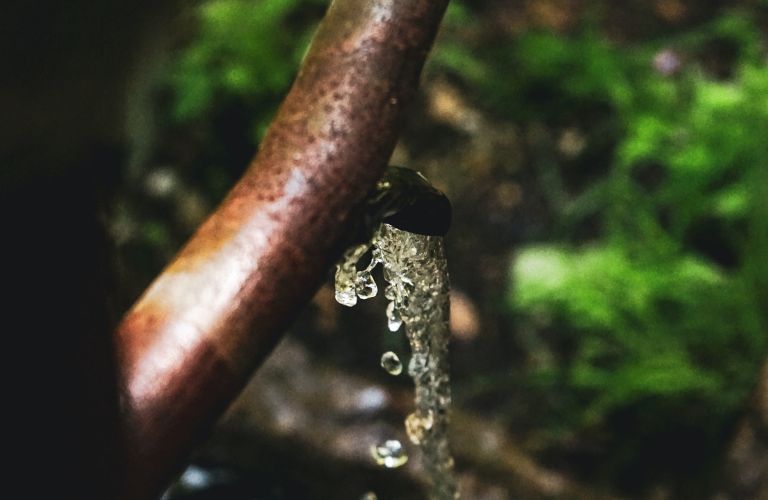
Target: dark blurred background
point(608, 168)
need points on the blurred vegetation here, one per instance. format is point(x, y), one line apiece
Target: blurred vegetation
point(664, 305)
point(647, 298)
point(636, 297)
point(663, 300)
point(245, 50)
point(659, 310)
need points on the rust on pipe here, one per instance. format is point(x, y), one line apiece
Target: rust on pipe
point(189, 344)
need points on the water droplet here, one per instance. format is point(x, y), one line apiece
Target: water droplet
point(365, 285)
point(369, 496)
point(346, 276)
point(393, 318)
point(418, 426)
point(391, 363)
point(390, 454)
point(346, 297)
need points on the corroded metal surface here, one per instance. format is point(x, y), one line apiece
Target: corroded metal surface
point(190, 343)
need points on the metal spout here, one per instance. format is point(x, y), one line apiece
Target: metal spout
point(405, 199)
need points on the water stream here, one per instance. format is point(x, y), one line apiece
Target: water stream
point(415, 269)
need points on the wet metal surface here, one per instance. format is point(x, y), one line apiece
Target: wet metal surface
point(190, 343)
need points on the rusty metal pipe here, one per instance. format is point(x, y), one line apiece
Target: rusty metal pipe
point(189, 344)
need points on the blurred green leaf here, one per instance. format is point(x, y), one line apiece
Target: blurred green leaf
point(244, 49)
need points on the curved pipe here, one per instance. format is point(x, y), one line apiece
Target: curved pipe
point(189, 344)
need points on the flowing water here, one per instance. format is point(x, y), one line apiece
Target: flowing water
point(415, 270)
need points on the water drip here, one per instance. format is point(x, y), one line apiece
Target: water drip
point(391, 363)
point(393, 318)
point(415, 269)
point(390, 454)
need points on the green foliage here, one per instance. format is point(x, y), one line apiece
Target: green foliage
point(654, 315)
point(643, 327)
point(244, 49)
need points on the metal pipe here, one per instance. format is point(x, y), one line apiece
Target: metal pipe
point(405, 199)
point(189, 344)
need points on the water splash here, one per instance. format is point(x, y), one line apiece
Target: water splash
point(415, 270)
point(390, 454)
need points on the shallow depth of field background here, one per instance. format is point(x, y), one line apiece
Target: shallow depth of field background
point(608, 168)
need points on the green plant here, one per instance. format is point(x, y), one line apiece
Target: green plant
point(666, 303)
point(244, 49)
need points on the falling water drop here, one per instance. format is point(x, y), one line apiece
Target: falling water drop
point(390, 454)
point(369, 496)
point(394, 321)
point(391, 363)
